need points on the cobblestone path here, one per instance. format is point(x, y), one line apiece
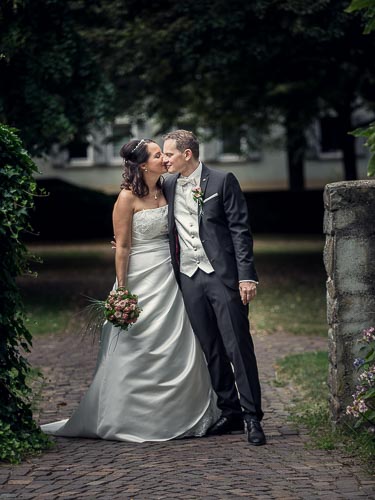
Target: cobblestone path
point(210, 468)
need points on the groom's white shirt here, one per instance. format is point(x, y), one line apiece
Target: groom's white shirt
point(192, 254)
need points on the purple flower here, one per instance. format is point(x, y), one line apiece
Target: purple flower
point(369, 334)
point(360, 390)
point(358, 362)
point(362, 407)
point(352, 410)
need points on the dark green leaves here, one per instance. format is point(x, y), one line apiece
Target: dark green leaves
point(369, 133)
point(54, 85)
point(18, 432)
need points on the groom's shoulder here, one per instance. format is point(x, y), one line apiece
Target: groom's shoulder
point(220, 175)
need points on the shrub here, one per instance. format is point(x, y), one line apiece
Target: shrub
point(363, 407)
point(19, 434)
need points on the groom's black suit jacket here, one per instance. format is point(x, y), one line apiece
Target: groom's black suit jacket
point(223, 227)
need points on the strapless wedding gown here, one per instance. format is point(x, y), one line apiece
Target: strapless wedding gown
point(151, 382)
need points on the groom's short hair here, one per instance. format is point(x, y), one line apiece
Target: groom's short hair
point(184, 140)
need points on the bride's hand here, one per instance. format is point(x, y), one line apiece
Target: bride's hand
point(113, 243)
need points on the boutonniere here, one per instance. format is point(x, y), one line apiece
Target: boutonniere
point(198, 197)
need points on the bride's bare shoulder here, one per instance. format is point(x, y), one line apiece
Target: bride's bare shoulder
point(125, 200)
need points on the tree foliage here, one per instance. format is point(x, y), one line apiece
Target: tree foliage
point(247, 64)
point(54, 84)
point(221, 65)
point(18, 432)
point(368, 9)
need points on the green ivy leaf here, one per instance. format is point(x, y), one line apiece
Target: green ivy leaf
point(359, 4)
point(18, 432)
point(371, 167)
point(369, 394)
point(362, 132)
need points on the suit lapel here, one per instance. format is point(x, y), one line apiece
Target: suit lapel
point(203, 184)
point(171, 198)
point(204, 178)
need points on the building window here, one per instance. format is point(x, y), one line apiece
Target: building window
point(80, 153)
point(121, 134)
point(238, 145)
point(231, 142)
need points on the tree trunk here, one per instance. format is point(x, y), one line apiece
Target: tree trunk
point(296, 146)
point(348, 145)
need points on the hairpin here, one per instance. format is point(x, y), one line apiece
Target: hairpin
point(137, 146)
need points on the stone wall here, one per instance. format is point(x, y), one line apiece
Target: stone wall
point(349, 258)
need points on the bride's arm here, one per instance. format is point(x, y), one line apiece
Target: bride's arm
point(122, 227)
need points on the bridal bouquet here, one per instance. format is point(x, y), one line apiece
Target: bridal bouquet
point(120, 308)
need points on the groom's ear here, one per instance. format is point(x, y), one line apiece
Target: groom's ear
point(188, 155)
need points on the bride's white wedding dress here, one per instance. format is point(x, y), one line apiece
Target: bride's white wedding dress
point(151, 382)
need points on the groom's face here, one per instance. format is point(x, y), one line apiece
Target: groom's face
point(174, 160)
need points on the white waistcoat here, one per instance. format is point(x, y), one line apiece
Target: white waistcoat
point(192, 254)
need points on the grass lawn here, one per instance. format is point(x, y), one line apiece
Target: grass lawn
point(55, 299)
point(308, 372)
point(291, 294)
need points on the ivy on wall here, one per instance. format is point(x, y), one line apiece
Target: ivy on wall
point(19, 434)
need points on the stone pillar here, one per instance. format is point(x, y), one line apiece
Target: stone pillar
point(349, 258)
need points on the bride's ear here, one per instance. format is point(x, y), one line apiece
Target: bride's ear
point(142, 166)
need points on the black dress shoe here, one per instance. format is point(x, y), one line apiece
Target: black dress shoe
point(227, 425)
point(255, 434)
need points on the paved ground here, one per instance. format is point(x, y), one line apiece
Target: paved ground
point(209, 468)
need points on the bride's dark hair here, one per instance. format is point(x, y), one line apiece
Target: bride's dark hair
point(134, 153)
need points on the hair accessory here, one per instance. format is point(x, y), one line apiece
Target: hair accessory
point(137, 146)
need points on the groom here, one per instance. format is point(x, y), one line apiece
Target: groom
point(212, 256)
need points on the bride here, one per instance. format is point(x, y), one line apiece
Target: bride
point(151, 382)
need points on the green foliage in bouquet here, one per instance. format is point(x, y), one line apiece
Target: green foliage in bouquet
point(19, 434)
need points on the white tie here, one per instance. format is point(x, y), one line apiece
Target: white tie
point(184, 181)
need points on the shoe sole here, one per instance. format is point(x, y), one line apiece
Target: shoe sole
point(233, 433)
point(257, 444)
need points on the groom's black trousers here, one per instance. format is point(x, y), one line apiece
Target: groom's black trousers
point(220, 321)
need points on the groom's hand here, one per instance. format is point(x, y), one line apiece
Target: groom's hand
point(248, 291)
